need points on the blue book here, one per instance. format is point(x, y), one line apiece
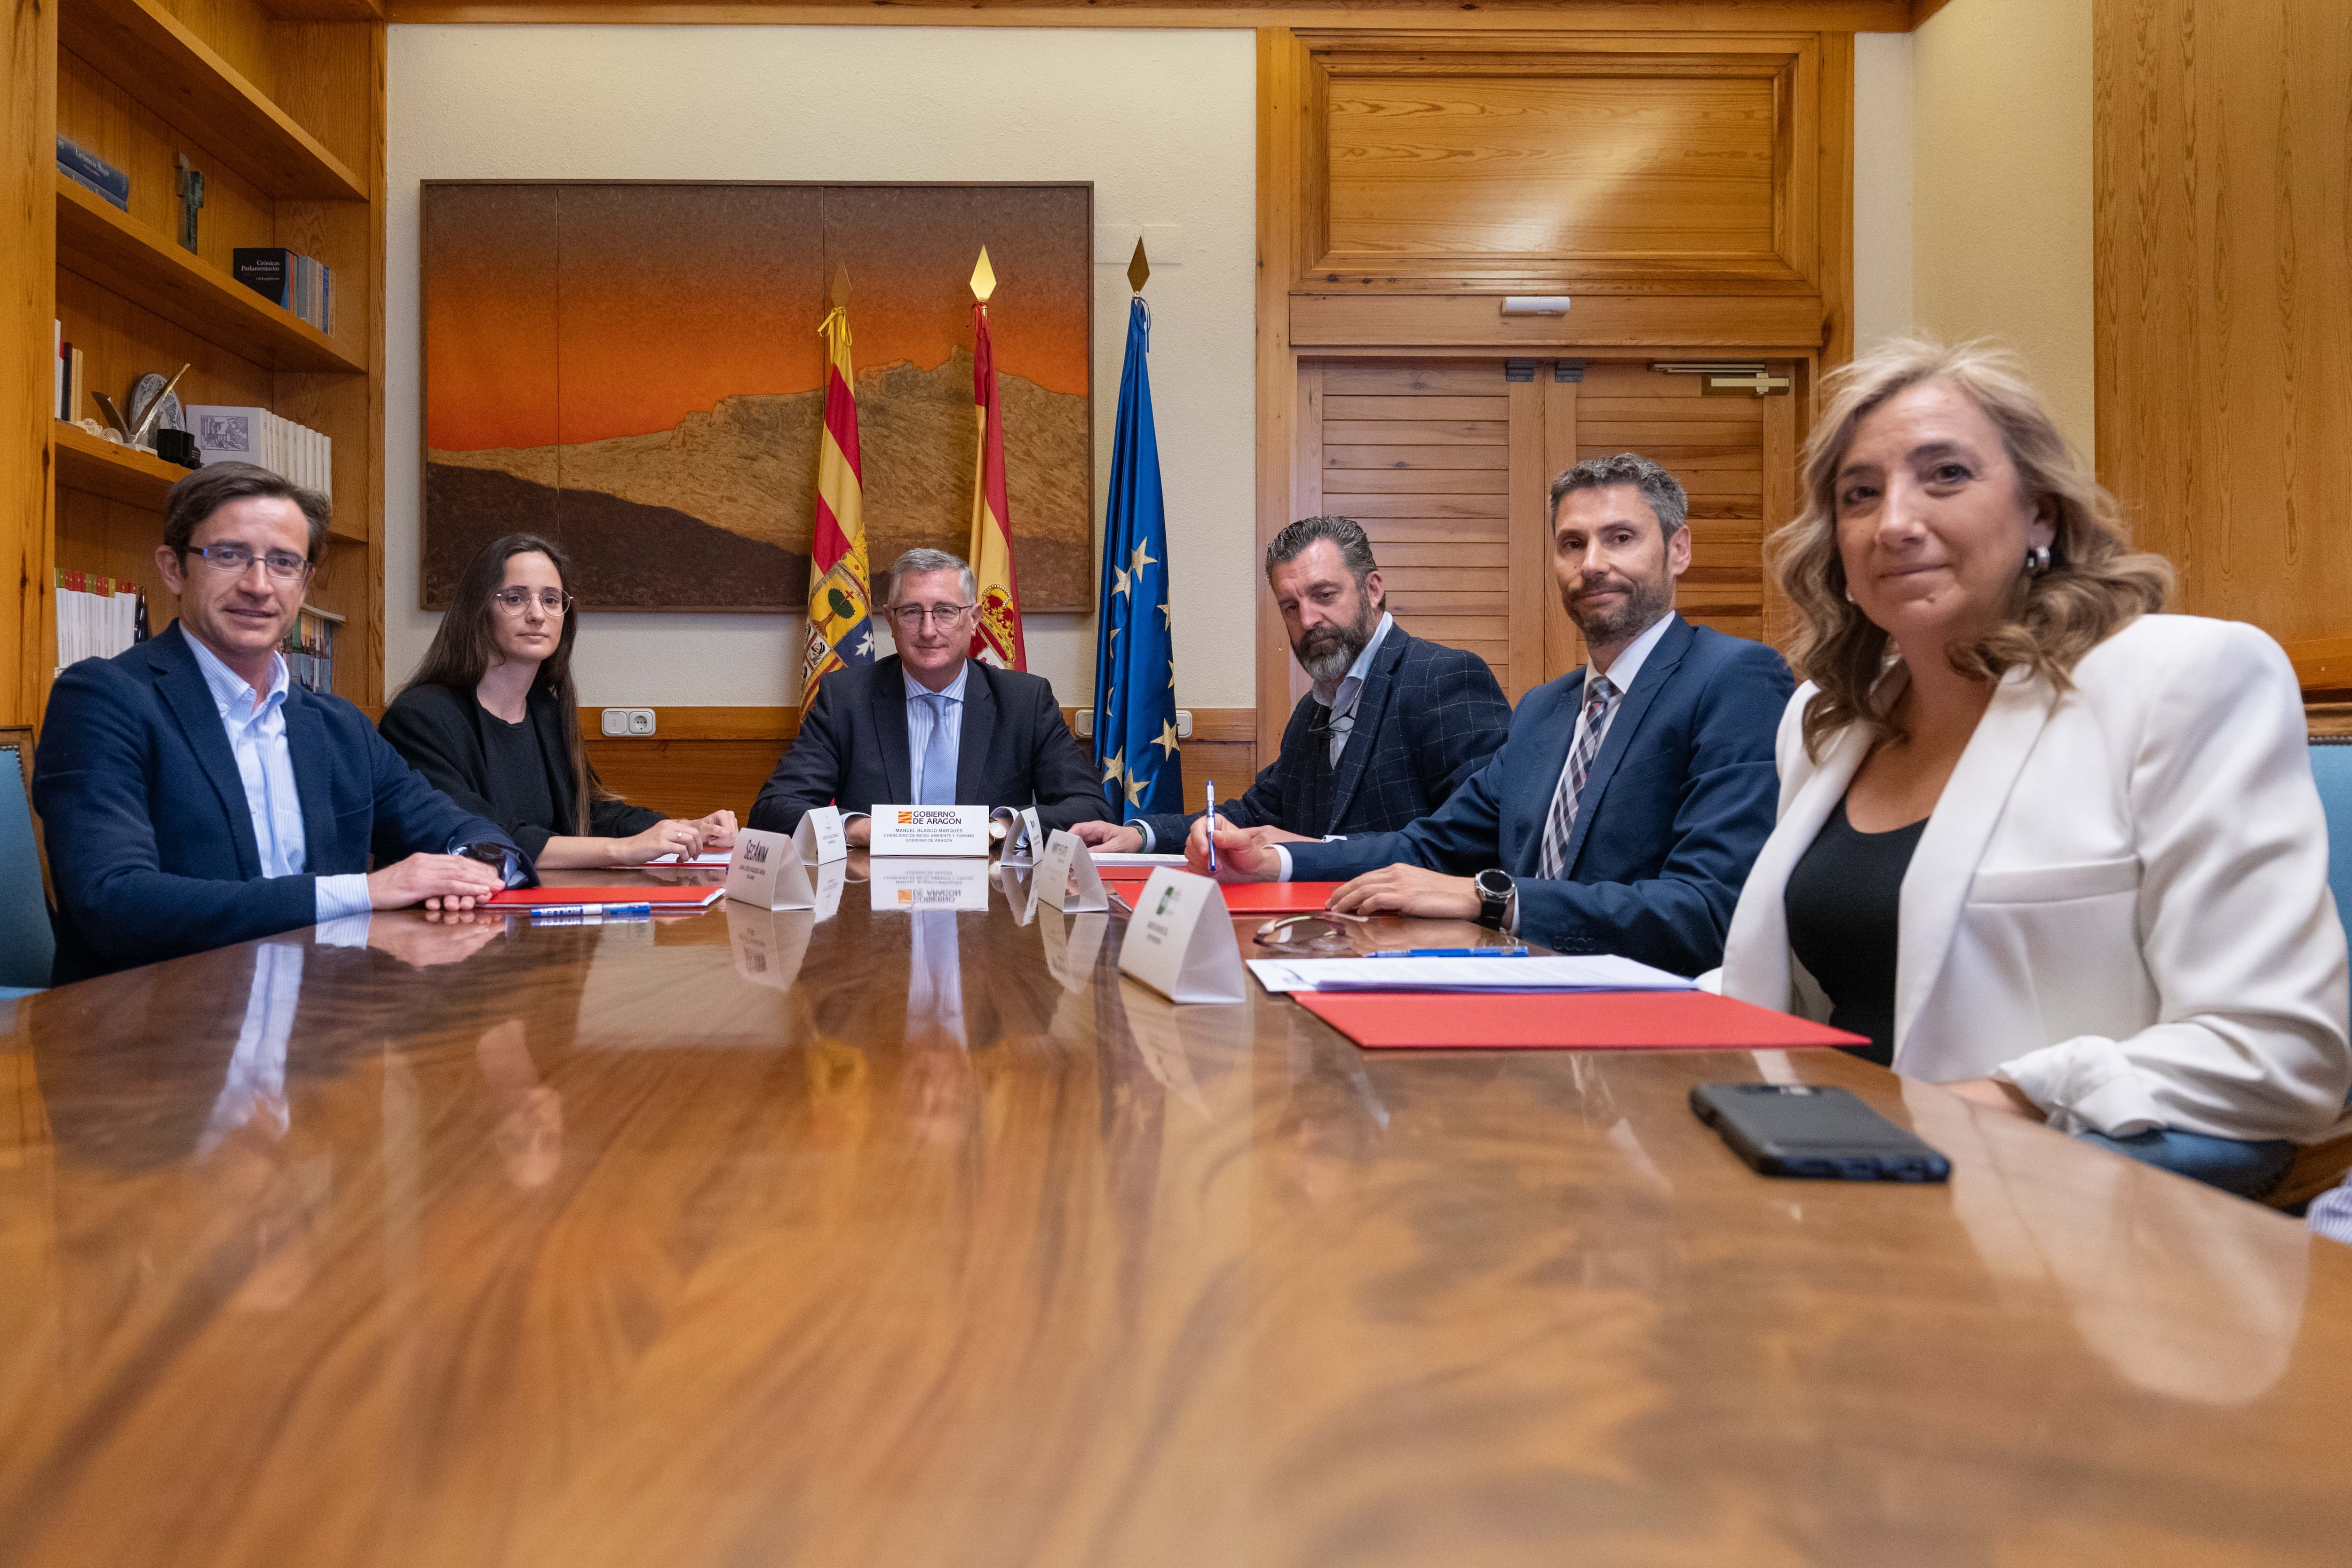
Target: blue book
point(92, 172)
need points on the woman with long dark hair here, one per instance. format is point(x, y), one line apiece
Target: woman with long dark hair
point(492, 719)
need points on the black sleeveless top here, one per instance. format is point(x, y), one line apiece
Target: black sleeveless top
point(1845, 908)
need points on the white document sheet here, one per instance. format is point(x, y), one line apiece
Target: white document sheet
point(1590, 971)
point(1107, 857)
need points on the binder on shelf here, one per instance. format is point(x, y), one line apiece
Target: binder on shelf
point(93, 174)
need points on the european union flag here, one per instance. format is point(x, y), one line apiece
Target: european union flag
point(1135, 670)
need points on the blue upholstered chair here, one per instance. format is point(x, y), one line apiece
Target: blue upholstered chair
point(2322, 1165)
point(27, 944)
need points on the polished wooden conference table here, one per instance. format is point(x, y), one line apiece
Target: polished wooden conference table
point(897, 1238)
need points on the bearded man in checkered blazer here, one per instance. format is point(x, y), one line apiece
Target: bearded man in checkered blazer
point(1392, 725)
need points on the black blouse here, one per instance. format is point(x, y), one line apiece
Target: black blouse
point(518, 776)
point(1845, 908)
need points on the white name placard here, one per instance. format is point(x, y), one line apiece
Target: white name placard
point(1067, 877)
point(1180, 940)
point(820, 838)
point(910, 885)
point(1026, 838)
point(769, 943)
point(766, 872)
point(1071, 951)
point(934, 830)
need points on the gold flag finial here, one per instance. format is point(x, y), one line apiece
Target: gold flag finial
point(1140, 269)
point(984, 277)
point(841, 288)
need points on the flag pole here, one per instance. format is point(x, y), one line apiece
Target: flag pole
point(996, 636)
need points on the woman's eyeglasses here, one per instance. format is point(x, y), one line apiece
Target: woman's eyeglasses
point(554, 601)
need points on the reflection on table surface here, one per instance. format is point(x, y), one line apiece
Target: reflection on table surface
point(883, 1233)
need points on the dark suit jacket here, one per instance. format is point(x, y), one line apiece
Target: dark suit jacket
point(1427, 717)
point(440, 732)
point(1015, 749)
point(1675, 808)
point(152, 845)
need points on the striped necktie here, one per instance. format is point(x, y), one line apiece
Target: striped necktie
point(1599, 697)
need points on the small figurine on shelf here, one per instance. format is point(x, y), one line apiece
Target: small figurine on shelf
point(191, 198)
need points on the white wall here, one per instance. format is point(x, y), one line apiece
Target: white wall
point(1883, 107)
point(2002, 189)
point(1164, 124)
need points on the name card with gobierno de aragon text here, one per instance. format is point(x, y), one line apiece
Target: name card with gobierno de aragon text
point(935, 830)
point(820, 838)
point(766, 872)
point(1067, 877)
point(911, 885)
point(1180, 940)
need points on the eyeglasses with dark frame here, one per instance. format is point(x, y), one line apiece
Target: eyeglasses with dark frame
point(916, 615)
point(236, 560)
point(513, 601)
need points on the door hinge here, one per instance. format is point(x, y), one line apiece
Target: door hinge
point(1519, 370)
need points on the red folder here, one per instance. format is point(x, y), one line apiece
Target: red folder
point(643, 893)
point(1575, 1020)
point(1245, 897)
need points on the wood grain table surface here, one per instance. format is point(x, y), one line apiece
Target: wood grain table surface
point(751, 1238)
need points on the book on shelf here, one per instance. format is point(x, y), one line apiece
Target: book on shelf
point(97, 617)
point(309, 649)
point(227, 433)
point(76, 385)
point(300, 284)
point(92, 172)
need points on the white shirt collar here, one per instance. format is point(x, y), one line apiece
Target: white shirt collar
point(952, 690)
point(230, 690)
point(1627, 669)
point(1362, 667)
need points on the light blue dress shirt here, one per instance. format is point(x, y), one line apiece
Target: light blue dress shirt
point(255, 725)
point(1352, 688)
point(921, 720)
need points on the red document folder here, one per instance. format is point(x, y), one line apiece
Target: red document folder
point(645, 893)
point(1244, 897)
point(1576, 1020)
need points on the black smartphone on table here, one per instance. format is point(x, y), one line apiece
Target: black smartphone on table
point(1811, 1130)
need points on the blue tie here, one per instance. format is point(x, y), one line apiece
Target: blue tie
point(938, 786)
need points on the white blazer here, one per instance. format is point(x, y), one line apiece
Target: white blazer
point(2121, 902)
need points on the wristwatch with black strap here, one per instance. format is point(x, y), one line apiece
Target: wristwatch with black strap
point(1498, 898)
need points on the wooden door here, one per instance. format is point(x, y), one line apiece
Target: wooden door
point(1735, 456)
point(1448, 464)
point(1442, 464)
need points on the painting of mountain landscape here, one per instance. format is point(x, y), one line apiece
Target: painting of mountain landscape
point(634, 370)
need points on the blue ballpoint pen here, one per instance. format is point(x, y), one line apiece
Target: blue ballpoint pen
point(1213, 827)
point(1448, 952)
point(592, 910)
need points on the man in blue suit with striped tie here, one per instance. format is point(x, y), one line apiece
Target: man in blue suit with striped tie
point(1624, 810)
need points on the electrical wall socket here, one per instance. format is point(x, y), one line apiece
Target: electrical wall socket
point(637, 721)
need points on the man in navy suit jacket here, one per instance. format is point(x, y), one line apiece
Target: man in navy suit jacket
point(1393, 725)
point(193, 797)
point(930, 725)
point(1623, 814)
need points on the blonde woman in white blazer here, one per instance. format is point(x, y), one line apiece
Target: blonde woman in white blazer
point(2053, 851)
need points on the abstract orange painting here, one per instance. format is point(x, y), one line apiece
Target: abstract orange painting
point(634, 370)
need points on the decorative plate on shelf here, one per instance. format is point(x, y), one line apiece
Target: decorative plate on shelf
point(143, 391)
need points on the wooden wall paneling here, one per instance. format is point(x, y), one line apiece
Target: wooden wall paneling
point(1421, 455)
point(1715, 446)
point(706, 758)
point(1529, 551)
point(1623, 16)
point(377, 678)
point(1563, 645)
point(1833, 194)
point(1281, 123)
point(2223, 218)
point(1780, 503)
point(1728, 324)
point(1306, 499)
point(1538, 160)
point(27, 297)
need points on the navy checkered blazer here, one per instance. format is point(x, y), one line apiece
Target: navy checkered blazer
point(1428, 718)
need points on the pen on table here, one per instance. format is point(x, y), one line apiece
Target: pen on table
point(1448, 952)
point(1213, 827)
point(592, 910)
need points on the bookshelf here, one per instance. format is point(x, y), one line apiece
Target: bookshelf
point(281, 104)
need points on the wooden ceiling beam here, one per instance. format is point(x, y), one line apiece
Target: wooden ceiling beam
point(1615, 15)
